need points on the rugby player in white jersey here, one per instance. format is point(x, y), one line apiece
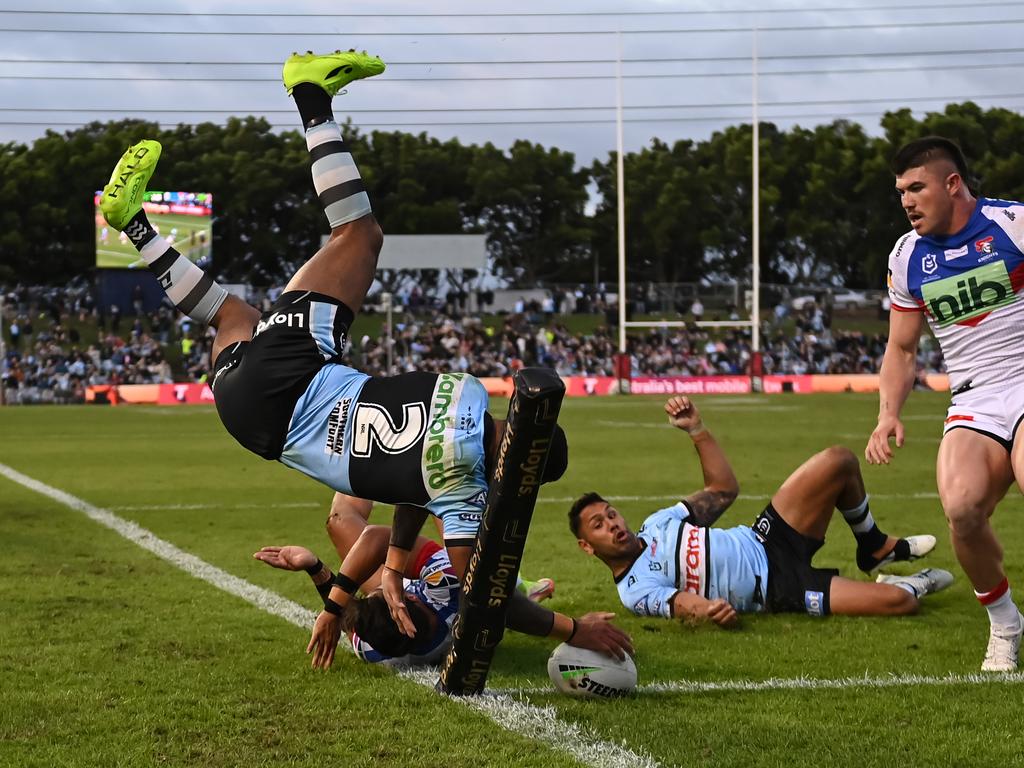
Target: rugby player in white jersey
point(421, 441)
point(678, 566)
point(961, 267)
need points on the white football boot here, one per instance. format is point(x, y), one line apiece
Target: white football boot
point(922, 583)
point(1003, 649)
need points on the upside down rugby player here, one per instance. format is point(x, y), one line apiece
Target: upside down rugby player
point(962, 267)
point(421, 441)
point(678, 566)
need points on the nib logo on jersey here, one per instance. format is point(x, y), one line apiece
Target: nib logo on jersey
point(968, 297)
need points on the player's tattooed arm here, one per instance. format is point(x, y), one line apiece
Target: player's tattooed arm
point(720, 485)
point(707, 506)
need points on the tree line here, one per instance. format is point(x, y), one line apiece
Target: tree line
point(829, 213)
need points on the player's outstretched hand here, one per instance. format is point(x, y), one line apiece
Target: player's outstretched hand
point(683, 414)
point(722, 613)
point(290, 558)
point(394, 595)
point(878, 450)
point(324, 641)
point(596, 632)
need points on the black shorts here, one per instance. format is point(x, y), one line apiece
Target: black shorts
point(794, 586)
point(257, 383)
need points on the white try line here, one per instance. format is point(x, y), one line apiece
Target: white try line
point(511, 713)
point(811, 683)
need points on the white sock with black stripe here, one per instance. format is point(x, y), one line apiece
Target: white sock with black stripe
point(335, 175)
point(191, 290)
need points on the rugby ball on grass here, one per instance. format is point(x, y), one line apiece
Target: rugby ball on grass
point(589, 674)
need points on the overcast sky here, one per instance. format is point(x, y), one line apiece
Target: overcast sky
point(498, 72)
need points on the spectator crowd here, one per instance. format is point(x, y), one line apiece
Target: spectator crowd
point(58, 342)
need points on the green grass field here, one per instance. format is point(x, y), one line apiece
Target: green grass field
point(110, 655)
point(187, 240)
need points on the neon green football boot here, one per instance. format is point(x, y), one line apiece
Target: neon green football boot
point(122, 197)
point(331, 71)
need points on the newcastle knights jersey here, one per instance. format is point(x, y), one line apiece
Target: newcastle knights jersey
point(969, 287)
point(413, 439)
point(679, 556)
point(437, 588)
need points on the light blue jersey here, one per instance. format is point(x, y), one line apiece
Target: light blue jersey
point(412, 439)
point(711, 562)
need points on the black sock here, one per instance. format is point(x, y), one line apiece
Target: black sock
point(314, 104)
point(139, 230)
point(870, 538)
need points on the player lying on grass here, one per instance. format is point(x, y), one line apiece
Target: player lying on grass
point(678, 566)
point(421, 441)
point(432, 588)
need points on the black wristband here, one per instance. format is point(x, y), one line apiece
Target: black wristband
point(324, 589)
point(398, 544)
point(572, 634)
point(313, 570)
point(332, 607)
point(345, 584)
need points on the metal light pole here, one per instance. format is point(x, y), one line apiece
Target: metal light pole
point(3, 352)
point(389, 340)
point(621, 202)
point(755, 273)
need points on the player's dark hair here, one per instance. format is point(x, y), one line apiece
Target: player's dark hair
point(558, 456)
point(577, 507)
point(371, 619)
point(921, 151)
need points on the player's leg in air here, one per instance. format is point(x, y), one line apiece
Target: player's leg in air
point(191, 290)
point(342, 270)
point(828, 481)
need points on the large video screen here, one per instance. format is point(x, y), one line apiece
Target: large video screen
point(184, 219)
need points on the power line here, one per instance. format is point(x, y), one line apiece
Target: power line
point(530, 78)
point(532, 33)
point(520, 62)
point(471, 123)
point(549, 108)
point(520, 14)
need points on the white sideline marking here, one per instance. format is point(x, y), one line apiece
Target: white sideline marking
point(542, 724)
point(521, 717)
point(811, 683)
point(271, 602)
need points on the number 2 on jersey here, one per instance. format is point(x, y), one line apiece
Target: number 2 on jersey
point(374, 427)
